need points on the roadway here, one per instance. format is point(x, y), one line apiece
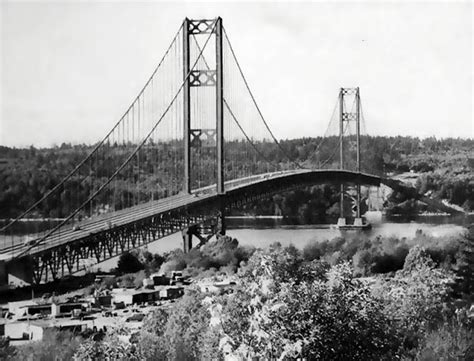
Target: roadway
point(81, 230)
point(69, 233)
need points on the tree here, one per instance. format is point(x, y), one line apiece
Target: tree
point(152, 261)
point(151, 340)
point(129, 263)
point(55, 345)
point(110, 348)
point(450, 341)
point(464, 285)
point(7, 352)
point(185, 327)
point(416, 297)
point(318, 314)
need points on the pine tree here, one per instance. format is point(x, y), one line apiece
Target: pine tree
point(465, 265)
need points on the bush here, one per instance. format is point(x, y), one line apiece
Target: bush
point(55, 345)
point(286, 307)
point(290, 309)
point(314, 250)
point(452, 341)
point(129, 263)
point(224, 252)
point(7, 352)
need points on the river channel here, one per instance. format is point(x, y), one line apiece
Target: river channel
point(262, 231)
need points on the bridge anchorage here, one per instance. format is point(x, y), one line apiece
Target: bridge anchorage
point(192, 146)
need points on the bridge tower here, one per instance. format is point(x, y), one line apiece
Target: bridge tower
point(345, 116)
point(195, 137)
point(200, 78)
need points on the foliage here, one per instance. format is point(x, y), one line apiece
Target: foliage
point(155, 322)
point(151, 261)
point(285, 312)
point(182, 334)
point(185, 327)
point(224, 253)
point(417, 296)
point(55, 345)
point(150, 347)
point(289, 304)
point(30, 173)
point(110, 348)
point(129, 263)
point(453, 340)
point(7, 352)
point(381, 254)
point(465, 265)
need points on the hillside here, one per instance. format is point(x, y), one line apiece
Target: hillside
point(444, 169)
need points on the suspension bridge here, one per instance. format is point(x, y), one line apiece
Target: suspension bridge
point(192, 145)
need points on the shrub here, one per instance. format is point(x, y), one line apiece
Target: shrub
point(129, 263)
point(451, 341)
point(314, 250)
point(55, 345)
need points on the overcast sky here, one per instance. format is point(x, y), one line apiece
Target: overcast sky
point(70, 68)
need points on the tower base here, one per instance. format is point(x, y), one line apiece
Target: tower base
point(359, 224)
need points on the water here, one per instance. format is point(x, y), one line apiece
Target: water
point(261, 232)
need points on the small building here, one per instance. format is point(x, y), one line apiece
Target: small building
point(60, 309)
point(17, 308)
point(216, 287)
point(33, 330)
point(171, 292)
point(23, 331)
point(148, 283)
point(104, 300)
point(127, 297)
point(130, 297)
point(159, 279)
point(20, 309)
point(104, 277)
point(44, 309)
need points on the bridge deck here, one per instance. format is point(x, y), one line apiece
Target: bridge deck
point(236, 190)
point(133, 214)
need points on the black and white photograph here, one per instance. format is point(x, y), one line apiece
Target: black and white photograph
point(236, 180)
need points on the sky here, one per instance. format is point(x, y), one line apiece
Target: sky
point(69, 69)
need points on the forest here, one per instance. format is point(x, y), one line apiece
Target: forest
point(444, 167)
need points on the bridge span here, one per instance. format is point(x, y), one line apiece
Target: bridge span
point(189, 126)
point(65, 251)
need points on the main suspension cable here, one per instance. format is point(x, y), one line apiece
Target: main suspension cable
point(255, 102)
point(243, 131)
point(130, 157)
point(67, 177)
